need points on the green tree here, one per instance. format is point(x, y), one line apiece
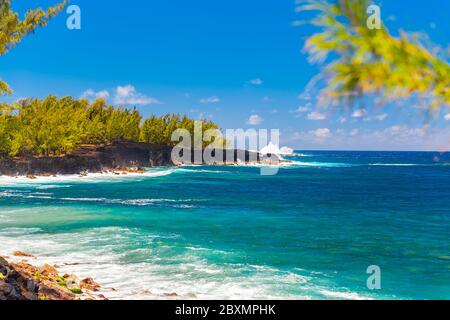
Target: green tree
point(153, 130)
point(122, 124)
point(13, 29)
point(49, 126)
point(94, 124)
point(5, 135)
point(359, 61)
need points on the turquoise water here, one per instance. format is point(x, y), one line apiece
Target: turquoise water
point(309, 232)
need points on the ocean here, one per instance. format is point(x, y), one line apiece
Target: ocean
point(309, 232)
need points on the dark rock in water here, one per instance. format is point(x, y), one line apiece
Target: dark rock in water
point(22, 254)
point(89, 284)
point(172, 294)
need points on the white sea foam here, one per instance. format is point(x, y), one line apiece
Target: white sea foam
point(136, 202)
point(89, 178)
point(8, 194)
point(13, 232)
point(24, 194)
point(37, 197)
point(52, 186)
point(301, 164)
point(185, 206)
point(102, 253)
point(85, 199)
point(283, 164)
point(176, 203)
point(303, 155)
point(343, 295)
point(196, 170)
point(394, 164)
point(321, 164)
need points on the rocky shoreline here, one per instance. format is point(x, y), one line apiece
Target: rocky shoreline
point(23, 281)
point(92, 159)
point(117, 158)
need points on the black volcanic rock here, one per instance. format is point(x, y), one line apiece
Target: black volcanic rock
point(14, 286)
point(119, 156)
point(90, 159)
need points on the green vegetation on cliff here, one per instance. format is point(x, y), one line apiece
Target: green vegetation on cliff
point(54, 127)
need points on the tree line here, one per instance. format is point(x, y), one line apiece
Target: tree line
point(54, 127)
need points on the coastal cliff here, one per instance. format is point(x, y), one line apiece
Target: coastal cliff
point(94, 159)
point(90, 159)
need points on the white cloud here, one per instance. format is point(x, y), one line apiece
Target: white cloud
point(394, 130)
point(447, 117)
point(405, 132)
point(419, 132)
point(103, 94)
point(200, 115)
point(359, 113)
point(322, 133)
point(316, 116)
point(91, 94)
point(398, 137)
point(87, 94)
point(381, 117)
point(127, 95)
point(256, 82)
point(306, 96)
point(210, 100)
point(302, 109)
point(342, 120)
point(254, 120)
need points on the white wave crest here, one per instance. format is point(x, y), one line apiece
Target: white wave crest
point(14, 232)
point(105, 254)
point(322, 164)
point(194, 170)
point(343, 295)
point(394, 164)
point(41, 182)
point(137, 202)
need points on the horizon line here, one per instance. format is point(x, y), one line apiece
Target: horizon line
point(349, 150)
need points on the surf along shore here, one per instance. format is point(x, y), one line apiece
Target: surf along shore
point(22, 276)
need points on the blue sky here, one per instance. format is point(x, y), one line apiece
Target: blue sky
point(238, 63)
